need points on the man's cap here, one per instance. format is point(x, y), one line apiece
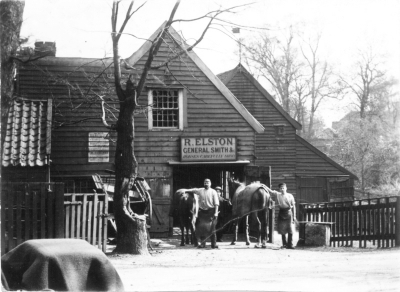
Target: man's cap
point(218, 188)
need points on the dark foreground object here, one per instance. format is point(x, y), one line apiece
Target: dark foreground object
point(59, 264)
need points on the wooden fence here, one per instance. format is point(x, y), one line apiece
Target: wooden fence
point(31, 211)
point(86, 218)
point(361, 222)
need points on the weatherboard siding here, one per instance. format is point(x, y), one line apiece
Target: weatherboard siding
point(271, 150)
point(309, 163)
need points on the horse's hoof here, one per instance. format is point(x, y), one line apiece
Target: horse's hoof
point(233, 243)
point(247, 243)
point(256, 246)
point(264, 246)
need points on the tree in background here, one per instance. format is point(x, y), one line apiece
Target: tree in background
point(276, 59)
point(368, 148)
point(369, 84)
point(368, 137)
point(319, 82)
point(301, 79)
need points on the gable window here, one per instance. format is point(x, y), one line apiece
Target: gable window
point(166, 109)
point(279, 130)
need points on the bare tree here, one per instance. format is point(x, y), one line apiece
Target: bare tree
point(297, 73)
point(368, 82)
point(318, 80)
point(278, 62)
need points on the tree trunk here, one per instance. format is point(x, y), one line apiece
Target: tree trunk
point(131, 230)
point(11, 20)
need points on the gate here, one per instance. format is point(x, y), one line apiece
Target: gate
point(86, 217)
point(31, 211)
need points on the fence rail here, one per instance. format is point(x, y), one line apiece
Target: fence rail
point(371, 221)
point(86, 218)
point(31, 211)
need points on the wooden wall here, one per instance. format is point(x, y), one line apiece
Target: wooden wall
point(279, 152)
point(209, 114)
point(311, 162)
point(23, 174)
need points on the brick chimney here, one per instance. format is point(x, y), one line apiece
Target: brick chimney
point(45, 48)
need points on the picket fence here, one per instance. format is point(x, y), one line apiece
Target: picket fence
point(86, 217)
point(362, 223)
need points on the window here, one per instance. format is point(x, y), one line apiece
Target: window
point(166, 111)
point(279, 130)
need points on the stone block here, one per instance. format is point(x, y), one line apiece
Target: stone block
point(317, 234)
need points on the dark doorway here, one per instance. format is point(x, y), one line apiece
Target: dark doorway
point(192, 176)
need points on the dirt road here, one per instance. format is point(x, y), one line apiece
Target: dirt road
point(243, 268)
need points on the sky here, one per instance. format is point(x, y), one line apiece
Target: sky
point(81, 28)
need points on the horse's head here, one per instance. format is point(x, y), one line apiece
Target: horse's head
point(233, 185)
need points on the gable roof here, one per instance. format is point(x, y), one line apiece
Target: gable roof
point(227, 76)
point(253, 122)
point(28, 134)
point(325, 157)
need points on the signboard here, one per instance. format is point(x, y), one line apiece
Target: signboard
point(99, 147)
point(208, 149)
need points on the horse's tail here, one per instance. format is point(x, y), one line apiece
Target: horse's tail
point(269, 197)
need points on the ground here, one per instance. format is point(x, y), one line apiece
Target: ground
point(243, 268)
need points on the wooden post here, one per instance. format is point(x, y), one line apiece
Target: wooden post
point(271, 221)
point(105, 221)
point(59, 209)
point(397, 224)
point(302, 227)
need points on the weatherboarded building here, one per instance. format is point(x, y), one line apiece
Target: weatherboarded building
point(189, 126)
point(309, 174)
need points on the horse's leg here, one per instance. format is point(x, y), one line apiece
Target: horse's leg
point(247, 230)
point(264, 226)
point(235, 231)
point(187, 230)
point(254, 217)
point(182, 225)
point(192, 231)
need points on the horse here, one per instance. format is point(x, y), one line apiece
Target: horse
point(253, 200)
point(185, 206)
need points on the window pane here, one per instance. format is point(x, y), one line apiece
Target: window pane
point(166, 108)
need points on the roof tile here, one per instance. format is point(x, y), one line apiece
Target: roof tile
point(25, 141)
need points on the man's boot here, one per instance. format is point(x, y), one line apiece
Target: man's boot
point(290, 241)
point(283, 240)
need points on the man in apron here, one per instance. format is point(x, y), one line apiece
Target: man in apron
point(208, 213)
point(286, 216)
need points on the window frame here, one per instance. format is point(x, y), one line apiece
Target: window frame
point(180, 110)
point(280, 130)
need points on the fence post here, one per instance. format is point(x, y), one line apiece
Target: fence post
point(397, 232)
point(302, 226)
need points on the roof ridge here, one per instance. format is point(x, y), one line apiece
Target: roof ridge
point(229, 75)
